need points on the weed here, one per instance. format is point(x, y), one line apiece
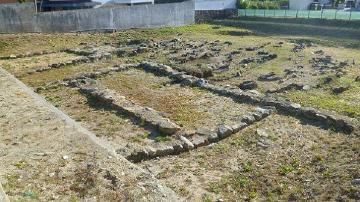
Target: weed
point(221, 148)
point(247, 167)
point(21, 164)
point(162, 138)
point(30, 194)
point(207, 198)
point(286, 169)
point(325, 101)
point(140, 137)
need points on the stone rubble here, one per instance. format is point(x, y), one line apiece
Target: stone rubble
point(29, 55)
point(202, 137)
point(91, 55)
point(291, 86)
point(327, 119)
point(147, 116)
point(248, 85)
point(269, 77)
point(340, 89)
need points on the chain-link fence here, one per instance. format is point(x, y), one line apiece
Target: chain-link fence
point(323, 14)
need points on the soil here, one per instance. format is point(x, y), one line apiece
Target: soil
point(279, 158)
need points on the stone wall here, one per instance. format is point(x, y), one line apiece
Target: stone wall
point(208, 15)
point(22, 18)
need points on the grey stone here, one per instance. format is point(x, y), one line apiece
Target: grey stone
point(238, 126)
point(269, 77)
point(187, 144)
point(251, 48)
point(248, 85)
point(201, 82)
point(309, 112)
point(261, 132)
point(211, 135)
point(178, 148)
point(328, 80)
point(199, 141)
point(168, 127)
point(340, 89)
point(263, 111)
point(139, 156)
point(258, 116)
point(151, 151)
point(224, 131)
point(306, 87)
point(355, 181)
point(248, 119)
point(164, 151)
point(263, 143)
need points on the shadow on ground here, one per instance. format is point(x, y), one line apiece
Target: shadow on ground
point(329, 33)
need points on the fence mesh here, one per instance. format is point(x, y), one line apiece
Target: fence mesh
point(323, 14)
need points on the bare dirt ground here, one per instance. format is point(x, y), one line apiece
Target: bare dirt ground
point(184, 123)
point(44, 156)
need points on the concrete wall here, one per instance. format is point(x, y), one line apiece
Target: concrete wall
point(215, 4)
point(300, 4)
point(21, 18)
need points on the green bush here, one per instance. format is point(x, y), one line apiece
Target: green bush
point(242, 4)
point(261, 4)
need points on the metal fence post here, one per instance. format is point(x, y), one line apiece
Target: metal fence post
point(297, 13)
point(245, 12)
point(350, 15)
point(254, 12)
point(274, 12)
point(285, 14)
point(335, 14)
point(309, 14)
point(322, 11)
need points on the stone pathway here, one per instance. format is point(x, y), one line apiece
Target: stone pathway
point(43, 152)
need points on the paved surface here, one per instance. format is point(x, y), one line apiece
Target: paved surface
point(42, 152)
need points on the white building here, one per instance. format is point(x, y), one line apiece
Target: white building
point(300, 4)
point(214, 4)
point(352, 4)
point(109, 3)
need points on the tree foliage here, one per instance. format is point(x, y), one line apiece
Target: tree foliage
point(261, 4)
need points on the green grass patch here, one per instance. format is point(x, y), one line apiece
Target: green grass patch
point(162, 138)
point(235, 182)
point(140, 137)
point(325, 101)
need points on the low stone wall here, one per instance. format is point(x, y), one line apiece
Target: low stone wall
point(202, 137)
point(182, 141)
point(320, 117)
point(209, 15)
point(147, 116)
point(16, 18)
